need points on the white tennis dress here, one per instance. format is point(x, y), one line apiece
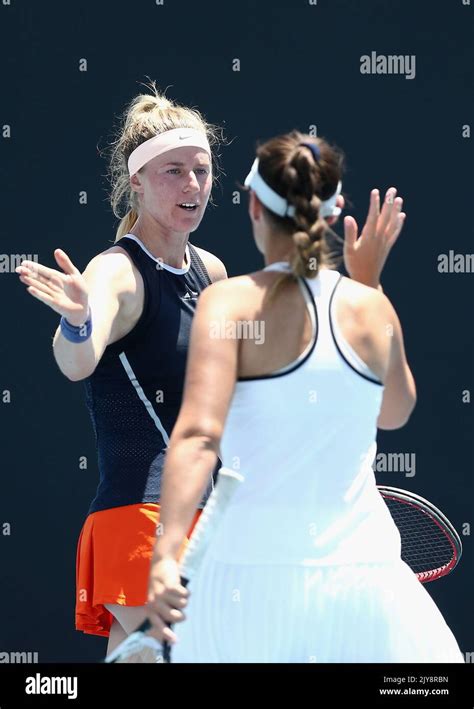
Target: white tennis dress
point(305, 565)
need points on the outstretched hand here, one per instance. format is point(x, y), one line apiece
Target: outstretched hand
point(66, 292)
point(364, 257)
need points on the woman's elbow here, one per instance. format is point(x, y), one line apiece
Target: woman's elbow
point(397, 418)
point(72, 373)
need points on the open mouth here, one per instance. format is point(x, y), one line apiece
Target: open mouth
point(188, 206)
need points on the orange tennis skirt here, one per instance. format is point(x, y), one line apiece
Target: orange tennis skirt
point(113, 562)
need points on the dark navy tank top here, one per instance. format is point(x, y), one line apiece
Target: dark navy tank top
point(135, 393)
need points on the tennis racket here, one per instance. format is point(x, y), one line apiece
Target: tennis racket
point(430, 544)
point(138, 644)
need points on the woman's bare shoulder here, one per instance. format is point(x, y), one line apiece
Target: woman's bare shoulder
point(114, 266)
point(361, 300)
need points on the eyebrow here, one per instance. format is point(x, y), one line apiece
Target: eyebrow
point(180, 164)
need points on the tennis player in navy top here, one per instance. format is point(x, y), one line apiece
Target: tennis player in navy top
point(125, 332)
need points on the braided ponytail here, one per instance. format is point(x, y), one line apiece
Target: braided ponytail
point(290, 167)
point(302, 179)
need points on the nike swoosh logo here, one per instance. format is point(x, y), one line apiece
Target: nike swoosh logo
point(182, 137)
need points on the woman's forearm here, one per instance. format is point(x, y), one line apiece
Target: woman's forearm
point(188, 466)
point(75, 360)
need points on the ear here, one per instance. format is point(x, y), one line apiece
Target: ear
point(255, 206)
point(136, 184)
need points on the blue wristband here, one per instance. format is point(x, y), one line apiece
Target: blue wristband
point(74, 333)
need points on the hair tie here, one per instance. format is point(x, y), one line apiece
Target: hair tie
point(314, 149)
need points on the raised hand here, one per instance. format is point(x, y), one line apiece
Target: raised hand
point(364, 257)
point(66, 293)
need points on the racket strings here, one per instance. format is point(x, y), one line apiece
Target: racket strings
point(426, 546)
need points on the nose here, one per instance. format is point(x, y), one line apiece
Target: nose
point(192, 184)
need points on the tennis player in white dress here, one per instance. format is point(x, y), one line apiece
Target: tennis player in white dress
point(305, 564)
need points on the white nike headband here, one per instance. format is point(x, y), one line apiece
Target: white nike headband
point(161, 143)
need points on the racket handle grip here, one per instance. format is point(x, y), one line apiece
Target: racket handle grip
point(166, 651)
point(144, 627)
